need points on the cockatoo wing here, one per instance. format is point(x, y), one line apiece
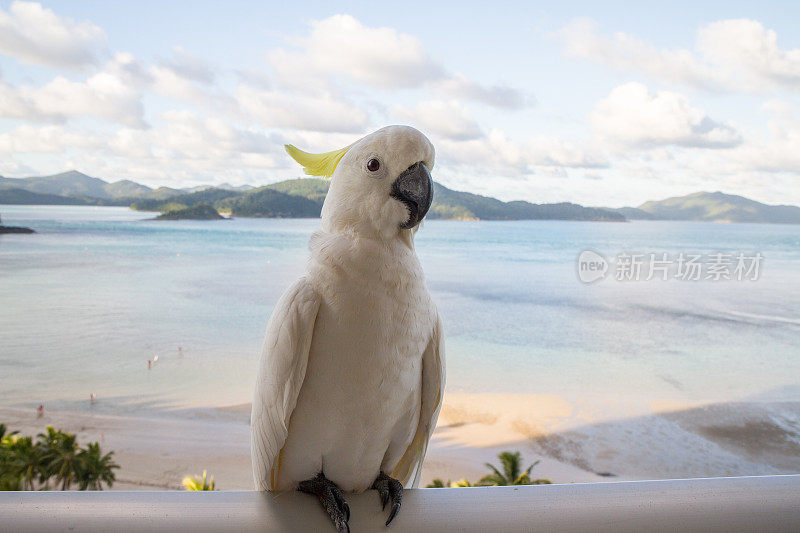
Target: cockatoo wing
point(281, 372)
point(409, 468)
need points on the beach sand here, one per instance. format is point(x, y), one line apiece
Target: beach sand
point(581, 440)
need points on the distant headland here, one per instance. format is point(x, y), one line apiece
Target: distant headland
point(296, 198)
point(303, 198)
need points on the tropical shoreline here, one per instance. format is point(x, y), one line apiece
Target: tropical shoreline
point(573, 446)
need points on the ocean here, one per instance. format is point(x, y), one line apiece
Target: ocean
point(99, 291)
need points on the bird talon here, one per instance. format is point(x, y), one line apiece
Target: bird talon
point(389, 489)
point(331, 498)
point(395, 510)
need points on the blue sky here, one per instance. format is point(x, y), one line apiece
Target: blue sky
point(596, 103)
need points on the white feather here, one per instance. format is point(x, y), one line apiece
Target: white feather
point(409, 469)
point(280, 376)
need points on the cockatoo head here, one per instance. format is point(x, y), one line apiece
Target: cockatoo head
point(381, 185)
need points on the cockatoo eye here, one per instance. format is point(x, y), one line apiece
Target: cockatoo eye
point(373, 165)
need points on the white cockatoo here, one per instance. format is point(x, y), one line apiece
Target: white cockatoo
point(351, 376)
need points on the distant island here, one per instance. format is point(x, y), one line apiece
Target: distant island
point(296, 198)
point(713, 207)
point(13, 229)
point(196, 212)
point(303, 198)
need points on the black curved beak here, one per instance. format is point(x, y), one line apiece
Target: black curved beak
point(414, 187)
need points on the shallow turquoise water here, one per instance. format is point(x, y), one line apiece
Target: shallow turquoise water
point(97, 292)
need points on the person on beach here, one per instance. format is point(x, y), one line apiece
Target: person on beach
point(92, 398)
point(180, 351)
point(40, 411)
point(149, 364)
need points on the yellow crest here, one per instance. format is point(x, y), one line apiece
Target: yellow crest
point(317, 164)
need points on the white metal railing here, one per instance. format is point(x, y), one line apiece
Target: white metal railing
point(769, 503)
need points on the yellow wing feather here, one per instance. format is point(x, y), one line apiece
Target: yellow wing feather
point(317, 164)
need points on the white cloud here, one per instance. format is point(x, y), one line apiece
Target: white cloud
point(632, 115)
point(178, 137)
point(333, 84)
point(549, 152)
point(111, 94)
point(276, 109)
point(37, 35)
point(497, 155)
point(729, 55)
point(185, 77)
point(187, 135)
point(381, 58)
point(46, 139)
point(12, 168)
point(622, 51)
point(185, 148)
point(190, 66)
point(182, 147)
point(777, 152)
point(447, 119)
point(378, 57)
point(501, 96)
point(170, 83)
point(763, 166)
point(748, 53)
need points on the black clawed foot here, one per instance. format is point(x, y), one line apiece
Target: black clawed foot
point(389, 489)
point(331, 498)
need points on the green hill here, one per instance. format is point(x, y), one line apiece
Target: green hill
point(178, 201)
point(23, 197)
point(300, 198)
point(303, 197)
point(78, 184)
point(633, 213)
point(72, 183)
point(196, 212)
point(720, 207)
point(127, 189)
point(311, 188)
point(162, 193)
point(268, 202)
point(448, 203)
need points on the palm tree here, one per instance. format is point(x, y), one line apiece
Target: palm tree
point(24, 461)
point(511, 474)
point(50, 437)
point(10, 478)
point(197, 483)
point(60, 456)
point(94, 468)
point(439, 484)
point(3, 430)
